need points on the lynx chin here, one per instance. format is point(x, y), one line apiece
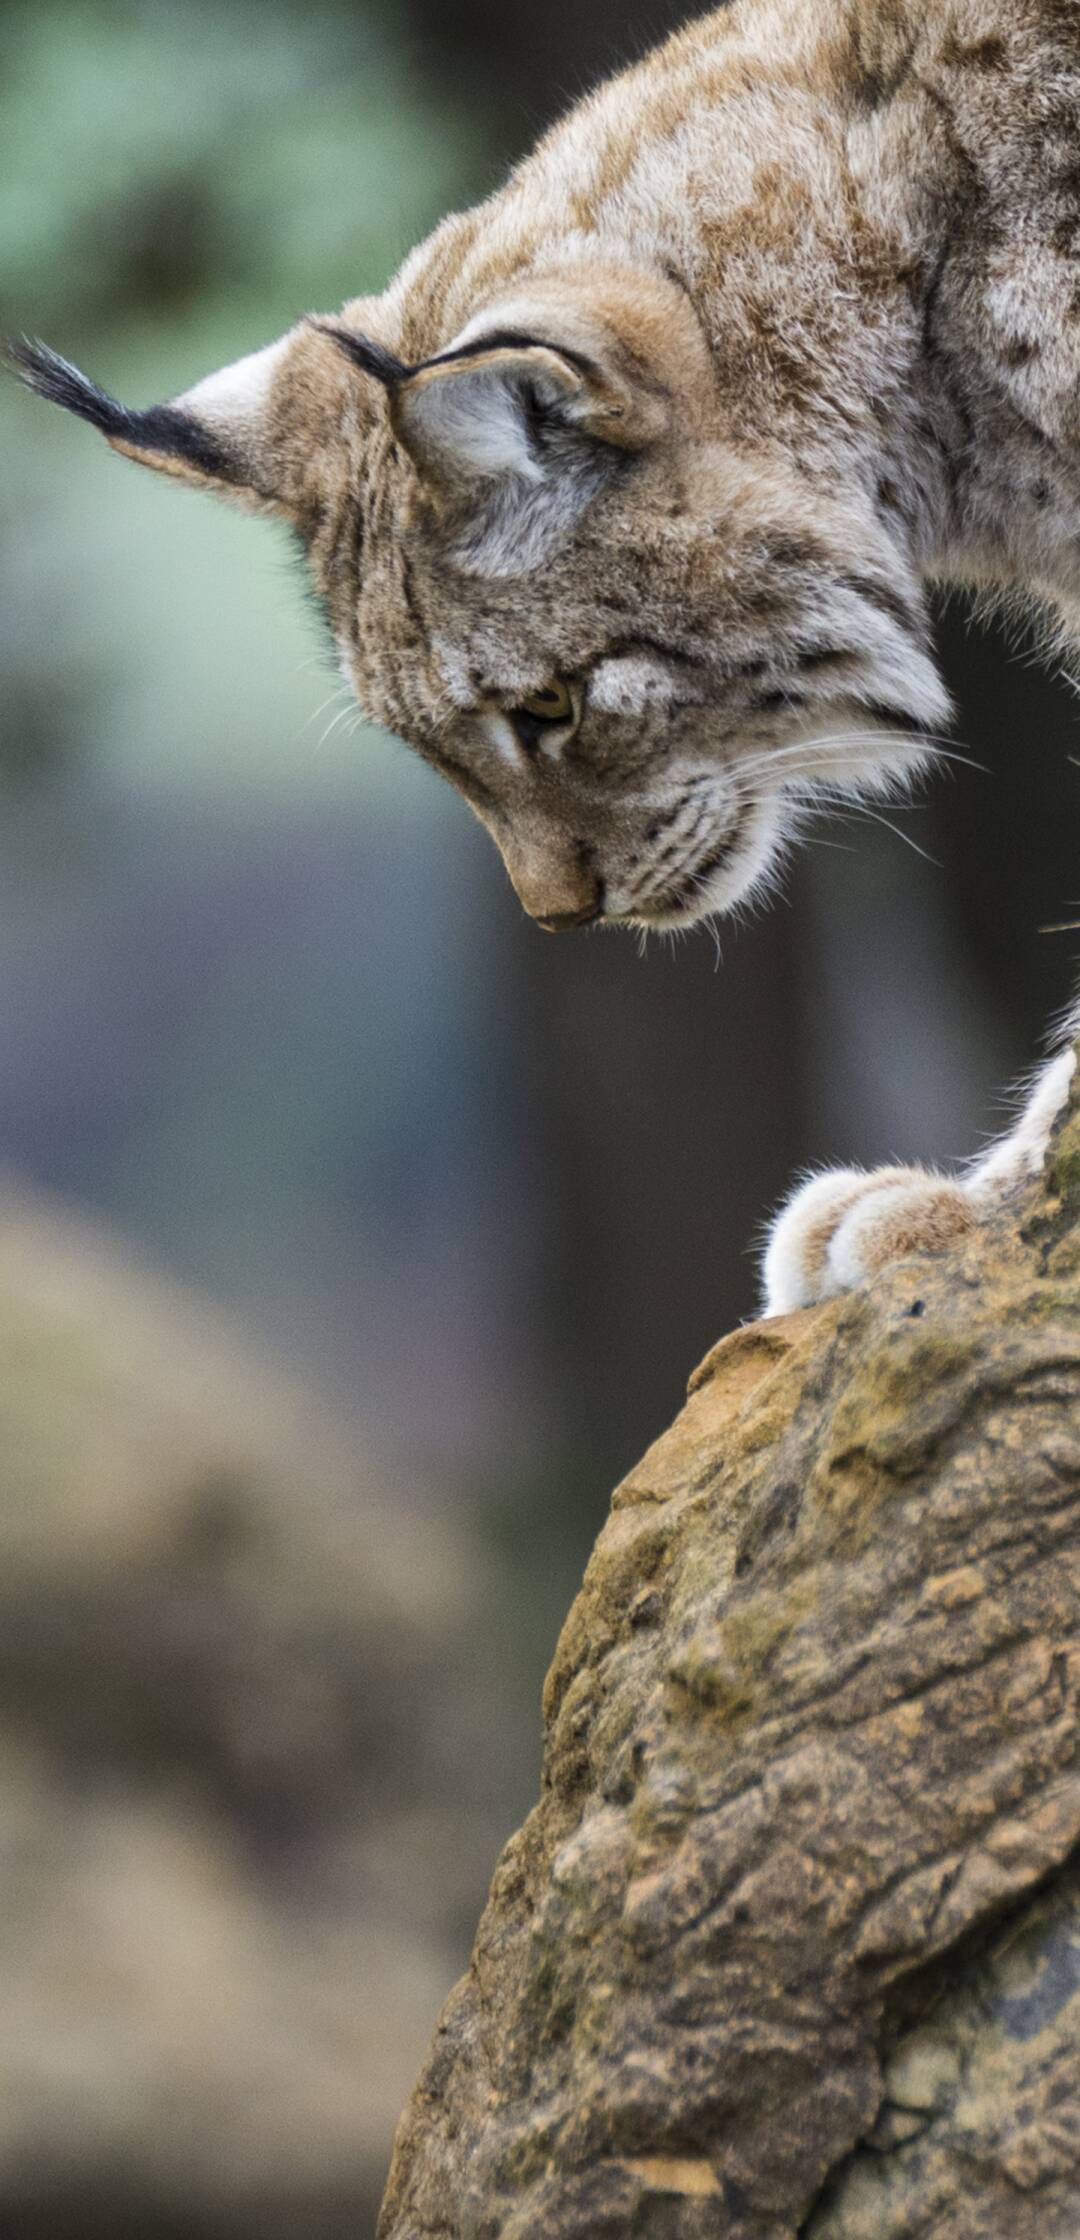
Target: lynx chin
point(623, 500)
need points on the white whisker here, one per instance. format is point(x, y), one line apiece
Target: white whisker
point(800, 759)
point(836, 802)
point(351, 717)
point(341, 693)
point(860, 809)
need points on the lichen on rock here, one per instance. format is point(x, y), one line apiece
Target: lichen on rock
point(790, 1944)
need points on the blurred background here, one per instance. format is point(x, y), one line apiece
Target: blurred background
point(354, 1236)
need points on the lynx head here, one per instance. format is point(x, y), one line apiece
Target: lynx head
point(632, 637)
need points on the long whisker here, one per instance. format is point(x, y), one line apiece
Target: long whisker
point(835, 800)
point(799, 760)
point(341, 693)
point(827, 739)
point(860, 809)
point(802, 753)
point(351, 717)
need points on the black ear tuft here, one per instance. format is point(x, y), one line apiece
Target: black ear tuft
point(164, 429)
point(51, 377)
point(369, 356)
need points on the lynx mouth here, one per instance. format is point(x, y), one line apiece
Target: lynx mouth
point(691, 898)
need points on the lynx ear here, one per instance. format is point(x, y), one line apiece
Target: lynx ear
point(502, 407)
point(516, 436)
point(511, 434)
point(216, 436)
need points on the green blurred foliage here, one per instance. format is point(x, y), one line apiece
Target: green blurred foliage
point(158, 158)
point(177, 186)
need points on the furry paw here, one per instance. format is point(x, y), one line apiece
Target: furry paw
point(844, 1226)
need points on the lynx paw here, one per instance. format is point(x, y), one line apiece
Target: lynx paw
point(843, 1226)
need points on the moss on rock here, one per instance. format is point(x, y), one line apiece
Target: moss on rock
point(789, 1945)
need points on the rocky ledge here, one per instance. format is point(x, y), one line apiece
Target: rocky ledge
point(790, 1944)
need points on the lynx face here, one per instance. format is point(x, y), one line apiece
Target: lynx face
point(630, 622)
point(629, 643)
point(634, 715)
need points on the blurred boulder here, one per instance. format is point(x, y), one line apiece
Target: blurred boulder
point(238, 1826)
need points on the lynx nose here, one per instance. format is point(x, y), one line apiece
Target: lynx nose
point(561, 921)
point(559, 889)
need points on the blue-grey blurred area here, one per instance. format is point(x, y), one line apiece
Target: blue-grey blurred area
point(355, 1235)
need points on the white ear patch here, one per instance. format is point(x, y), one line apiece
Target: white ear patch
point(477, 422)
point(235, 398)
point(502, 437)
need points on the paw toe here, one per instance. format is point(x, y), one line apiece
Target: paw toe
point(844, 1226)
point(795, 1268)
point(925, 1214)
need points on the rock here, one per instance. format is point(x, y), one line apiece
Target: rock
point(790, 1944)
point(236, 1812)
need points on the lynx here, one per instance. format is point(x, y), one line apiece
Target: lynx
point(624, 499)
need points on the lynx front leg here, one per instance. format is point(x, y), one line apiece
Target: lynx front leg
point(843, 1226)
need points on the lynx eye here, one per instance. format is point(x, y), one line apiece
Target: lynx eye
point(554, 704)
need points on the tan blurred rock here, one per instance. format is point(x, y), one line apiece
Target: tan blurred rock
point(791, 1943)
point(226, 1654)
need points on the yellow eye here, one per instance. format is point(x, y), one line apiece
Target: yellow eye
point(553, 705)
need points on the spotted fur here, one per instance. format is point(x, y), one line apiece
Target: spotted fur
point(772, 332)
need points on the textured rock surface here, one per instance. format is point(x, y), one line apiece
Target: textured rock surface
point(791, 1943)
